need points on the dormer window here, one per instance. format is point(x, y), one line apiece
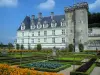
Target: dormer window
point(32, 26)
point(45, 24)
point(23, 26)
point(53, 24)
point(39, 25)
point(63, 23)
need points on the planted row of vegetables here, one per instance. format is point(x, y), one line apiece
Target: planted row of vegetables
point(47, 66)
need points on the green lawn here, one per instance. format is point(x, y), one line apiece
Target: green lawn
point(70, 58)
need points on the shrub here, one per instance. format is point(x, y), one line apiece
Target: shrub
point(1, 45)
point(71, 47)
point(22, 47)
point(81, 47)
point(39, 47)
point(10, 46)
point(17, 46)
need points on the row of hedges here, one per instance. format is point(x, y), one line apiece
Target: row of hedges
point(85, 69)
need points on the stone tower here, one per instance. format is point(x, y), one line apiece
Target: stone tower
point(77, 16)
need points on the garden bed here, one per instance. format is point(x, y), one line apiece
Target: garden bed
point(46, 66)
point(85, 69)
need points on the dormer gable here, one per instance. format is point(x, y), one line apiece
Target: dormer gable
point(45, 24)
point(39, 25)
point(63, 23)
point(22, 26)
point(53, 23)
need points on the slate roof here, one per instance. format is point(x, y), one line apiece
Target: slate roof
point(27, 21)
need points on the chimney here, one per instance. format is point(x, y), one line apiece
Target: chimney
point(52, 15)
point(33, 17)
point(39, 16)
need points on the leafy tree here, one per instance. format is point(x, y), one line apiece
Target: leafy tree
point(22, 47)
point(10, 46)
point(17, 46)
point(1, 45)
point(39, 47)
point(81, 47)
point(71, 47)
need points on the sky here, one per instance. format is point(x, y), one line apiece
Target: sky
point(13, 12)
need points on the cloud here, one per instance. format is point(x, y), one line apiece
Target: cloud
point(8, 3)
point(12, 38)
point(47, 5)
point(94, 5)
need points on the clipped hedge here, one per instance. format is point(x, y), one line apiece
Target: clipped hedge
point(85, 69)
point(84, 73)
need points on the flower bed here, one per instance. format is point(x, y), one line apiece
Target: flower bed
point(47, 66)
point(7, 70)
point(85, 69)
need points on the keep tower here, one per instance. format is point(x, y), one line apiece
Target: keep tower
point(77, 24)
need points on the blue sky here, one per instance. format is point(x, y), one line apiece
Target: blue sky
point(12, 13)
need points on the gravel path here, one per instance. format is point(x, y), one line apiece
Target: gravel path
point(68, 70)
point(96, 71)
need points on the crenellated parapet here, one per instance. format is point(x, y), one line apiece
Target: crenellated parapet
point(81, 5)
point(76, 6)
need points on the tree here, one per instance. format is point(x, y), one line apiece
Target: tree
point(71, 47)
point(81, 47)
point(22, 47)
point(17, 46)
point(10, 46)
point(1, 45)
point(39, 47)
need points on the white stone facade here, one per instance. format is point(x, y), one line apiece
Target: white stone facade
point(59, 33)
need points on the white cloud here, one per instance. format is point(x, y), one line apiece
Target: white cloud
point(8, 3)
point(48, 5)
point(94, 5)
point(12, 38)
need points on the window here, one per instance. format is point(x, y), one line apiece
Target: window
point(32, 40)
point(71, 31)
point(38, 40)
point(39, 25)
point(53, 23)
point(38, 33)
point(22, 33)
point(33, 27)
point(45, 39)
point(45, 33)
point(53, 32)
point(22, 40)
point(63, 23)
point(32, 33)
point(63, 40)
point(45, 24)
point(53, 40)
point(22, 26)
point(63, 32)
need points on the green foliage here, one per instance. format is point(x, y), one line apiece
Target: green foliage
point(39, 47)
point(1, 45)
point(83, 73)
point(46, 66)
point(22, 47)
point(17, 46)
point(10, 46)
point(81, 47)
point(71, 47)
